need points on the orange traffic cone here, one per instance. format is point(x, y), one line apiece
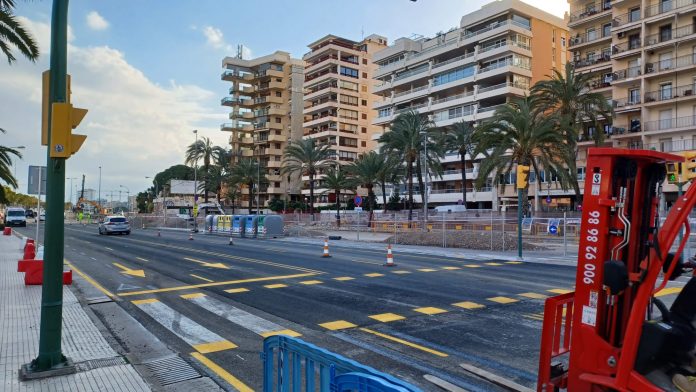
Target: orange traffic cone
point(326, 248)
point(390, 258)
point(190, 235)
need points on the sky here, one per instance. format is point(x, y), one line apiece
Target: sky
point(149, 71)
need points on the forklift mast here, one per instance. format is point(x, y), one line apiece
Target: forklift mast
point(590, 337)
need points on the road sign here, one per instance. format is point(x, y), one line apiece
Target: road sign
point(548, 199)
point(33, 183)
point(358, 200)
point(553, 229)
point(358, 209)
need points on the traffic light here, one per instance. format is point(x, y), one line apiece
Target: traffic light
point(44, 104)
point(688, 168)
point(522, 176)
point(65, 118)
point(673, 172)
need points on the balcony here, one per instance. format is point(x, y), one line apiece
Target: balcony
point(509, 22)
point(669, 94)
point(229, 101)
point(593, 61)
point(411, 94)
point(590, 12)
point(626, 19)
point(671, 146)
point(227, 127)
point(625, 74)
point(626, 104)
point(453, 60)
point(625, 49)
point(664, 7)
point(230, 75)
point(587, 38)
point(668, 35)
point(671, 64)
point(600, 82)
point(671, 124)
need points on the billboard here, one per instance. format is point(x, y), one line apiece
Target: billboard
point(36, 173)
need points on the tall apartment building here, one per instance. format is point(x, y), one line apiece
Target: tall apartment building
point(338, 104)
point(495, 55)
point(265, 98)
point(643, 53)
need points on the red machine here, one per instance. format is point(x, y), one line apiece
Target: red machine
point(605, 336)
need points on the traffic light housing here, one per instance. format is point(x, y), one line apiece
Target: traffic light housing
point(673, 172)
point(44, 104)
point(64, 118)
point(688, 168)
point(522, 176)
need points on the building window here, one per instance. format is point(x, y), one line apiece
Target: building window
point(456, 74)
point(581, 173)
point(364, 75)
point(665, 33)
point(277, 184)
point(350, 72)
point(606, 30)
point(363, 130)
point(633, 96)
point(348, 85)
point(634, 14)
point(521, 20)
point(364, 89)
point(364, 102)
point(563, 42)
point(363, 144)
point(349, 100)
point(364, 61)
point(279, 94)
point(665, 91)
point(278, 120)
point(364, 116)
point(666, 145)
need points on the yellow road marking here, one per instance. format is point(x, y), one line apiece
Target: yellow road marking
point(141, 259)
point(535, 316)
point(343, 278)
point(207, 264)
point(404, 342)
point(374, 275)
point(560, 291)
point(90, 280)
point(533, 295)
point(514, 262)
point(493, 264)
point(469, 305)
point(222, 373)
point(336, 325)
point(668, 291)
point(145, 301)
point(311, 282)
point(472, 266)
point(193, 295)
point(239, 290)
point(201, 285)
point(386, 317)
point(212, 347)
point(451, 268)
point(426, 270)
point(288, 332)
point(430, 310)
point(133, 272)
point(503, 300)
point(201, 278)
point(275, 286)
point(401, 272)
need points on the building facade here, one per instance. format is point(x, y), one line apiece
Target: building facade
point(495, 55)
point(643, 56)
point(338, 103)
point(265, 101)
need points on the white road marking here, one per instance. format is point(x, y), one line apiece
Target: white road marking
point(93, 258)
point(107, 248)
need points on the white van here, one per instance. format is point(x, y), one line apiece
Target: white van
point(451, 208)
point(15, 216)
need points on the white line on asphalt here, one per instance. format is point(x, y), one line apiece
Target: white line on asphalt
point(141, 259)
point(107, 248)
point(93, 258)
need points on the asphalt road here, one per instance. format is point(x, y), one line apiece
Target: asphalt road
point(424, 316)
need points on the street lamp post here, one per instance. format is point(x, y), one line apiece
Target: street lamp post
point(195, 186)
point(99, 191)
point(128, 205)
point(425, 179)
point(15, 166)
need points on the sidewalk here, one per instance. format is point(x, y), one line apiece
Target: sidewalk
point(99, 367)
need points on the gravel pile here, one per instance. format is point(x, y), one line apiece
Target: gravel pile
point(463, 239)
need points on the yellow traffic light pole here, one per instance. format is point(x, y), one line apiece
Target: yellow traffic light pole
point(522, 181)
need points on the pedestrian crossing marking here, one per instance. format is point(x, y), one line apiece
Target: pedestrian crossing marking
point(401, 272)
point(145, 301)
point(213, 347)
point(514, 262)
point(535, 316)
point(503, 300)
point(193, 295)
point(201, 278)
point(337, 325)
point(386, 317)
point(343, 278)
point(430, 310)
point(533, 295)
point(374, 275)
point(472, 266)
point(559, 291)
point(493, 264)
point(288, 332)
point(426, 270)
point(311, 282)
point(668, 291)
point(451, 268)
point(239, 290)
point(469, 305)
point(275, 286)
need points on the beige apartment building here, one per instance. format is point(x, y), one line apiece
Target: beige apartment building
point(265, 97)
point(338, 103)
point(643, 53)
point(495, 55)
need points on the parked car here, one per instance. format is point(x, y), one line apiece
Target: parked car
point(15, 216)
point(42, 216)
point(29, 214)
point(114, 224)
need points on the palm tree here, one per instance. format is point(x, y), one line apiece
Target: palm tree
point(14, 34)
point(5, 165)
point(366, 170)
point(568, 96)
point(305, 158)
point(336, 179)
point(405, 142)
point(391, 173)
point(245, 172)
point(522, 133)
point(205, 150)
point(459, 138)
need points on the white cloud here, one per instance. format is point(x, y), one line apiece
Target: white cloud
point(134, 127)
point(96, 21)
point(216, 39)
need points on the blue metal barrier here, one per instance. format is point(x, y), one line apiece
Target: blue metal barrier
point(336, 373)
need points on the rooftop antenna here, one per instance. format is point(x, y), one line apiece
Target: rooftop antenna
point(240, 48)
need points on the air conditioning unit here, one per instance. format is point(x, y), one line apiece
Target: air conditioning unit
point(622, 35)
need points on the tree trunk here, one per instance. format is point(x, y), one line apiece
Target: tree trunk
point(251, 196)
point(370, 203)
point(311, 195)
point(384, 196)
point(410, 191)
point(338, 207)
point(419, 170)
point(205, 185)
point(463, 161)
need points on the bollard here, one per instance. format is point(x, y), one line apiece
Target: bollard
point(29, 251)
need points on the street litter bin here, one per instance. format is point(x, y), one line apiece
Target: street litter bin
point(250, 222)
point(238, 229)
point(270, 226)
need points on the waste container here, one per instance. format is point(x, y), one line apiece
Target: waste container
point(210, 223)
point(238, 228)
point(227, 223)
point(269, 226)
point(250, 222)
point(219, 223)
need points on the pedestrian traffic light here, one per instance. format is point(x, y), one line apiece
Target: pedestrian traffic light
point(65, 118)
point(673, 172)
point(522, 176)
point(688, 168)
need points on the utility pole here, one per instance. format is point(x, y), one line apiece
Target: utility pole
point(99, 191)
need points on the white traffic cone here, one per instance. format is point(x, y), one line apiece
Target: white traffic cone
point(190, 235)
point(230, 243)
point(390, 258)
point(326, 248)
